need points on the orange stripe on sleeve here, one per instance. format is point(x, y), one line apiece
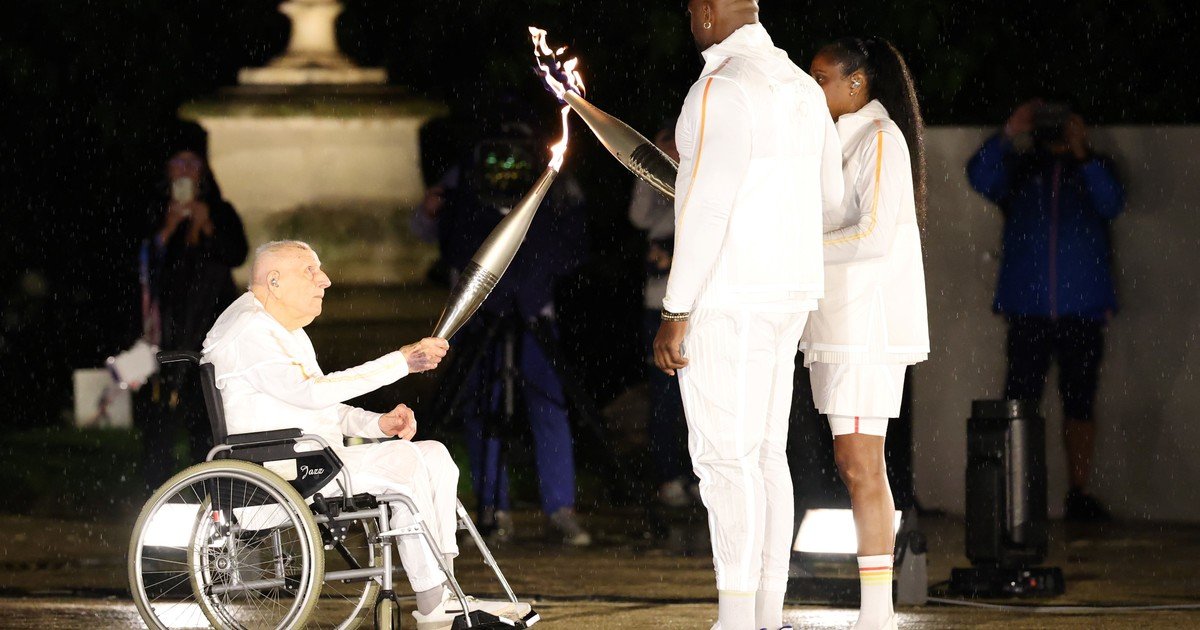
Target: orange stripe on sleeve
point(699, 152)
point(874, 215)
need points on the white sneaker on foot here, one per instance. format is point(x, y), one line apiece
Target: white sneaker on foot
point(674, 494)
point(442, 617)
point(567, 524)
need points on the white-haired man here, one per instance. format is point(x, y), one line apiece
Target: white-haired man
point(269, 378)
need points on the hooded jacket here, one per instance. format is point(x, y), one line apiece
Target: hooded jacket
point(759, 159)
point(1057, 211)
point(269, 378)
point(874, 306)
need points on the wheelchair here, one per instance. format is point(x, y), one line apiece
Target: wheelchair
point(230, 544)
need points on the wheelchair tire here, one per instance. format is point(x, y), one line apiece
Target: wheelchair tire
point(220, 530)
point(346, 606)
point(387, 613)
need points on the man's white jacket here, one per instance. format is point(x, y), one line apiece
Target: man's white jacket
point(874, 305)
point(269, 378)
point(759, 159)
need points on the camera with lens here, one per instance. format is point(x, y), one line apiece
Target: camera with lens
point(1050, 122)
point(504, 167)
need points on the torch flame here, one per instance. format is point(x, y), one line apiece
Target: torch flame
point(560, 148)
point(560, 77)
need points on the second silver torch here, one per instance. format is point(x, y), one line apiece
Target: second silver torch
point(491, 260)
point(631, 148)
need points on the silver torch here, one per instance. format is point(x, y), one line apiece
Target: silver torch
point(492, 258)
point(631, 148)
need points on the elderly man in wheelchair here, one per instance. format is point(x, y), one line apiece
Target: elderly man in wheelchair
point(269, 533)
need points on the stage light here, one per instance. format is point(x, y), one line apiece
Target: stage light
point(830, 531)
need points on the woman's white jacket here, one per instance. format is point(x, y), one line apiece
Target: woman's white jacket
point(874, 306)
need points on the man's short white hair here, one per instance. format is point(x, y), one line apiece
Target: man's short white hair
point(263, 255)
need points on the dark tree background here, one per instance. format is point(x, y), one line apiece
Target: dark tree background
point(88, 86)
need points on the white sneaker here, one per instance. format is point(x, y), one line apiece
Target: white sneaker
point(573, 534)
point(442, 617)
point(674, 494)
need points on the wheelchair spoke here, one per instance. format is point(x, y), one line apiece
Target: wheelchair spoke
point(248, 560)
point(175, 581)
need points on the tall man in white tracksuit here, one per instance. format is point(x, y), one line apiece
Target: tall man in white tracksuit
point(759, 161)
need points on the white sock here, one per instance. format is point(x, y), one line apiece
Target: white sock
point(429, 600)
point(768, 609)
point(875, 580)
point(735, 610)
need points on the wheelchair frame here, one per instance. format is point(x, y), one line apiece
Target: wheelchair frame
point(333, 513)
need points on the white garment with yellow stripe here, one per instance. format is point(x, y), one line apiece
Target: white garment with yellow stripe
point(873, 313)
point(759, 159)
point(270, 379)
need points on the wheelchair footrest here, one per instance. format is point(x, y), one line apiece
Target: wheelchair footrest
point(485, 621)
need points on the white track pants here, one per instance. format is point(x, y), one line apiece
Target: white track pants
point(425, 472)
point(737, 394)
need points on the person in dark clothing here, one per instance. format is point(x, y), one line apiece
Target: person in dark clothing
point(186, 276)
point(459, 212)
point(1055, 287)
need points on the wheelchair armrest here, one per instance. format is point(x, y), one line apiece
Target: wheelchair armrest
point(175, 356)
point(314, 468)
point(262, 438)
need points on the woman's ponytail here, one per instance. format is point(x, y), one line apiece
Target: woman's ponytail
point(891, 83)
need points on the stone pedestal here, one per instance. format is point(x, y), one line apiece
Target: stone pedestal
point(315, 148)
point(338, 167)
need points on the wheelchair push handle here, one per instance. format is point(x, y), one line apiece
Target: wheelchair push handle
point(176, 356)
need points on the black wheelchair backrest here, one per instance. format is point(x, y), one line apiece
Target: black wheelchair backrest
point(208, 388)
point(314, 469)
point(212, 402)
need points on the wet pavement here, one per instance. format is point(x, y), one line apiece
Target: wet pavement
point(64, 574)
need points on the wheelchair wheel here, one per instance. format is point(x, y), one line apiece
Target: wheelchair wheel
point(346, 604)
point(228, 544)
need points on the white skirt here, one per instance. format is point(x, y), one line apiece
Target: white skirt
point(853, 389)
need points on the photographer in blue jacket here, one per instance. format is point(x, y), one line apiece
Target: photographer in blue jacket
point(1055, 287)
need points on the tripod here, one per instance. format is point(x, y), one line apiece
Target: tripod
point(494, 353)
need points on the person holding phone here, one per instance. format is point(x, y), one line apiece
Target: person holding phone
point(185, 264)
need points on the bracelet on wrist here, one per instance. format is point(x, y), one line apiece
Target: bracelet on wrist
point(668, 316)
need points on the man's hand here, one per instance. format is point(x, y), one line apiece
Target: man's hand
point(668, 355)
point(1022, 119)
point(425, 355)
point(658, 257)
point(400, 421)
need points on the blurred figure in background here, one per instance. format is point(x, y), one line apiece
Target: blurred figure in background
point(666, 428)
point(186, 272)
point(459, 212)
point(1055, 287)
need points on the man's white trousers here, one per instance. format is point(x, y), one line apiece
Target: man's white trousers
point(425, 472)
point(737, 395)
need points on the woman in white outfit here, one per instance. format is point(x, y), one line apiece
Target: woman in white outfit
point(872, 322)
